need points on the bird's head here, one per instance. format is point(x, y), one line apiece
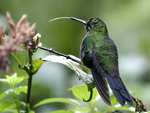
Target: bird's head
point(96, 24)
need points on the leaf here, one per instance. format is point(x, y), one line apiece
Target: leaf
point(113, 100)
point(6, 105)
point(79, 69)
point(19, 79)
point(126, 108)
point(13, 79)
point(59, 111)
point(62, 111)
point(35, 66)
point(11, 111)
point(18, 103)
point(4, 81)
point(19, 57)
point(21, 89)
point(81, 92)
point(60, 100)
point(83, 109)
point(4, 94)
point(10, 81)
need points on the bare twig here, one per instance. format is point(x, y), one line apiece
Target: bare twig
point(67, 56)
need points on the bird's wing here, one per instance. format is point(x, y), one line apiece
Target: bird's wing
point(99, 79)
point(107, 61)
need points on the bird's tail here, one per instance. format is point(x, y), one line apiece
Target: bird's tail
point(119, 90)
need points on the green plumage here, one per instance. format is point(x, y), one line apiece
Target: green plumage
point(99, 53)
point(104, 49)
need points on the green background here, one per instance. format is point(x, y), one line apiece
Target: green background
point(128, 23)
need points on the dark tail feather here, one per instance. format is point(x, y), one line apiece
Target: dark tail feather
point(100, 82)
point(119, 90)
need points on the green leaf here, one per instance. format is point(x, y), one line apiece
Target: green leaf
point(11, 111)
point(79, 69)
point(113, 100)
point(19, 79)
point(21, 89)
point(19, 57)
point(82, 92)
point(10, 80)
point(4, 94)
point(60, 100)
point(62, 111)
point(6, 105)
point(35, 66)
point(4, 81)
point(83, 109)
point(13, 79)
point(59, 111)
point(126, 108)
point(18, 103)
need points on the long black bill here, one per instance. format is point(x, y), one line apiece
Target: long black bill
point(79, 20)
point(73, 18)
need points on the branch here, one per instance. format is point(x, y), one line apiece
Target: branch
point(67, 56)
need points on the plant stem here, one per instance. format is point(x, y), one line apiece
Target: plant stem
point(92, 104)
point(29, 82)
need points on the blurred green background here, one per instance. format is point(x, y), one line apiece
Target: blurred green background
point(128, 23)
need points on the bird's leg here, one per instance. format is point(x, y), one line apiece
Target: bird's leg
point(91, 94)
point(139, 105)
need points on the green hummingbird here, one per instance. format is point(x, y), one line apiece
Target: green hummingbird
point(99, 53)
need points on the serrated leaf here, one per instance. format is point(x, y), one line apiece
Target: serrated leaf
point(60, 100)
point(81, 92)
point(21, 89)
point(6, 105)
point(76, 67)
point(4, 94)
point(126, 108)
point(35, 66)
point(19, 57)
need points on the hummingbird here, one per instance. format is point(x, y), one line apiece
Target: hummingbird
point(99, 53)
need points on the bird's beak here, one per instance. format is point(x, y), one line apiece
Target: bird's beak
point(79, 20)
